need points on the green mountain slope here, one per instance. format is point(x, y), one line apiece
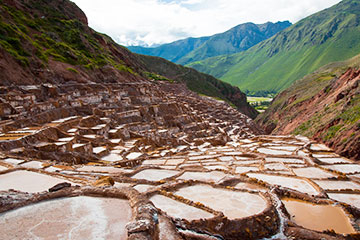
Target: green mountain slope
point(49, 41)
point(330, 35)
point(237, 39)
point(324, 105)
point(199, 82)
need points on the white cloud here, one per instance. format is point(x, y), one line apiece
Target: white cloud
point(133, 22)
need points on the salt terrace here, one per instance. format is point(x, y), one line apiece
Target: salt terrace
point(155, 161)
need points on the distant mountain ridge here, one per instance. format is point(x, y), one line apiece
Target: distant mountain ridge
point(274, 64)
point(172, 51)
point(237, 39)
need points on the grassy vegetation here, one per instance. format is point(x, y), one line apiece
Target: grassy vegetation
point(351, 115)
point(72, 70)
point(258, 99)
point(259, 103)
point(273, 65)
point(332, 131)
point(196, 81)
point(157, 77)
point(53, 35)
point(336, 122)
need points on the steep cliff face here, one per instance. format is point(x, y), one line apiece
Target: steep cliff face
point(50, 42)
point(324, 106)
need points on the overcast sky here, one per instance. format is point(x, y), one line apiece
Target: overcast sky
point(148, 22)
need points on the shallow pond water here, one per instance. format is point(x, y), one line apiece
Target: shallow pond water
point(312, 172)
point(233, 204)
point(13, 161)
point(101, 169)
point(300, 185)
point(33, 164)
point(249, 186)
point(213, 176)
point(112, 157)
point(334, 160)
point(345, 168)
point(318, 217)
point(351, 199)
point(154, 174)
point(319, 147)
point(337, 185)
point(273, 152)
point(27, 181)
point(68, 218)
point(240, 170)
point(285, 160)
point(178, 209)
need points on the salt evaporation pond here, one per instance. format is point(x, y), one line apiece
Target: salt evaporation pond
point(27, 181)
point(213, 176)
point(112, 157)
point(233, 204)
point(178, 209)
point(319, 147)
point(273, 152)
point(300, 185)
point(312, 172)
point(33, 164)
point(285, 147)
point(215, 167)
point(101, 169)
point(285, 160)
point(143, 187)
point(2, 168)
point(351, 199)
point(318, 217)
point(249, 186)
point(345, 168)
point(275, 167)
point(174, 161)
point(68, 218)
point(13, 161)
point(337, 185)
point(240, 170)
point(154, 162)
point(333, 160)
point(154, 174)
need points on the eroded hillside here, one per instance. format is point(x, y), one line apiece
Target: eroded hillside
point(324, 106)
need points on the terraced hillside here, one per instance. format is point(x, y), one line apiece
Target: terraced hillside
point(273, 65)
